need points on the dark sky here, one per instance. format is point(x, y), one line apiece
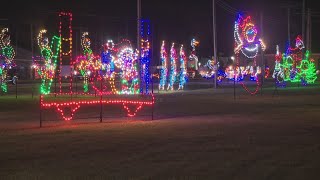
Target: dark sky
point(172, 20)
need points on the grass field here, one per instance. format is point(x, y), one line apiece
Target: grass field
point(200, 134)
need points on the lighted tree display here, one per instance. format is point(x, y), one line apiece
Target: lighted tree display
point(164, 69)
point(173, 67)
point(183, 71)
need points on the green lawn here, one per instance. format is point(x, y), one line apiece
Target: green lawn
point(202, 134)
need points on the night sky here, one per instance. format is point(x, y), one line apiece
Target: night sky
point(174, 21)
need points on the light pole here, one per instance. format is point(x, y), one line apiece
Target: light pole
point(214, 41)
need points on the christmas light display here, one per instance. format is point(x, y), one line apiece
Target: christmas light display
point(246, 41)
point(193, 58)
point(107, 60)
point(207, 71)
point(183, 70)
point(173, 67)
point(267, 72)
point(129, 73)
point(65, 34)
point(164, 69)
point(7, 55)
point(235, 73)
point(93, 68)
point(308, 70)
point(296, 66)
point(145, 55)
point(292, 60)
point(108, 65)
point(122, 66)
point(278, 74)
point(131, 106)
point(305, 72)
point(3, 79)
point(245, 35)
point(297, 51)
point(49, 53)
point(88, 64)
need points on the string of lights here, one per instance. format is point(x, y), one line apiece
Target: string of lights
point(65, 34)
point(74, 105)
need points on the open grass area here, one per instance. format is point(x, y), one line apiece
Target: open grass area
point(200, 134)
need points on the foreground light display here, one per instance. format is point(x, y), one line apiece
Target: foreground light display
point(131, 106)
point(164, 69)
point(7, 55)
point(50, 54)
point(94, 69)
point(173, 67)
